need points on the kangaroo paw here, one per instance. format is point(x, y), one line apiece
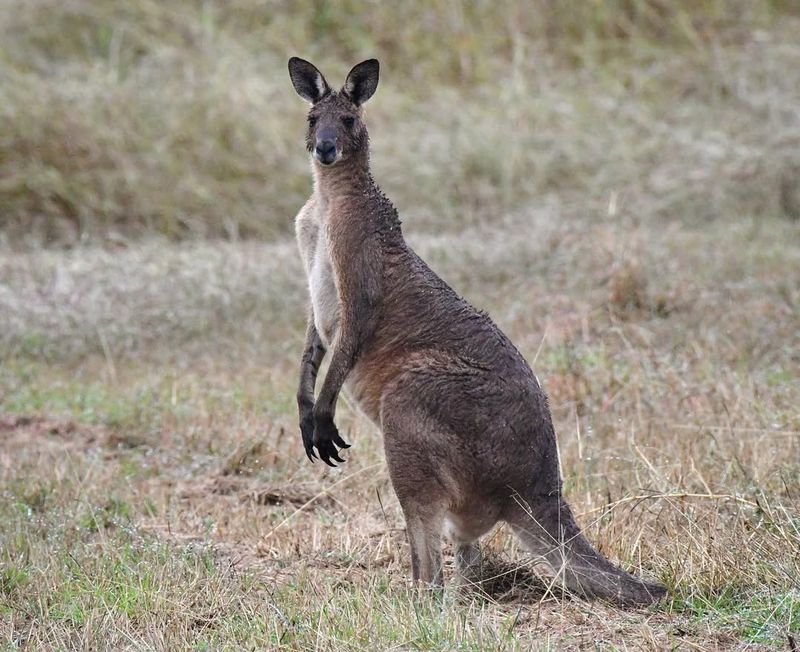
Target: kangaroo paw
point(326, 439)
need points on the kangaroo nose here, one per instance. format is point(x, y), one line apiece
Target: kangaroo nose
point(326, 151)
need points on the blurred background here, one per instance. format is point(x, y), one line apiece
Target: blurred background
point(124, 120)
point(617, 182)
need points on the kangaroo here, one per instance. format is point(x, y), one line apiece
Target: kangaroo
point(467, 431)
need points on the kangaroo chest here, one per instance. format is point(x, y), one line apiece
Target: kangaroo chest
point(315, 252)
point(324, 296)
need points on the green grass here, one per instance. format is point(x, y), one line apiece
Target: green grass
point(756, 616)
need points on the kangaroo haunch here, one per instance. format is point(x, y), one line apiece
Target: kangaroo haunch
point(467, 430)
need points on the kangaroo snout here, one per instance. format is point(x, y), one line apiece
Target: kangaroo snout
point(325, 151)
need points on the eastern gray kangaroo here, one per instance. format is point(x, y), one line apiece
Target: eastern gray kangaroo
point(466, 428)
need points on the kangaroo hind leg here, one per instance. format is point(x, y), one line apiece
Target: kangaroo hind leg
point(424, 527)
point(415, 469)
point(469, 560)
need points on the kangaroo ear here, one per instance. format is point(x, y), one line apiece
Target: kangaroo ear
point(307, 80)
point(362, 81)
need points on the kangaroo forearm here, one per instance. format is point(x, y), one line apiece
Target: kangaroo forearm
point(355, 330)
point(313, 353)
point(343, 359)
point(309, 368)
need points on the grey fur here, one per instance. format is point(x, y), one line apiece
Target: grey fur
point(467, 431)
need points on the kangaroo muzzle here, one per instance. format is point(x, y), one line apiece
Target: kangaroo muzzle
point(325, 151)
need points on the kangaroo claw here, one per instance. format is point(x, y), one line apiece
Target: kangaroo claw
point(326, 438)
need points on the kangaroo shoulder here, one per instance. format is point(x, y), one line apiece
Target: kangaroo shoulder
point(308, 217)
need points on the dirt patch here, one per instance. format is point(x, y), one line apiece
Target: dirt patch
point(251, 457)
point(43, 430)
point(302, 495)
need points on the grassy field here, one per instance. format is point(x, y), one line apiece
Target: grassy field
point(617, 183)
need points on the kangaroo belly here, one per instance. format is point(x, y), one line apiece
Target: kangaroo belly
point(360, 391)
point(375, 373)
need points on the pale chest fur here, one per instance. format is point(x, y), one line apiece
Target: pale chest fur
point(315, 252)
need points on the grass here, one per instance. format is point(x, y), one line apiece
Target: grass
point(616, 183)
point(164, 457)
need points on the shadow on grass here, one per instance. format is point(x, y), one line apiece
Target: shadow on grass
point(505, 581)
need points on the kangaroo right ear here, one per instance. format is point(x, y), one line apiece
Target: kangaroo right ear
point(307, 80)
point(362, 81)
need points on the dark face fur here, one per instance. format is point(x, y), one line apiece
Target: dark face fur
point(336, 129)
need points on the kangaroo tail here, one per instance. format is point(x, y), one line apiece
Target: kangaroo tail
point(548, 528)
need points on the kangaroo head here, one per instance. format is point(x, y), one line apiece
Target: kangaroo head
point(336, 128)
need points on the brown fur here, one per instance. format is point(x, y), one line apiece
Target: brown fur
point(467, 431)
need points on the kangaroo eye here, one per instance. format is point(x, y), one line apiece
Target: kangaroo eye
point(312, 120)
point(349, 121)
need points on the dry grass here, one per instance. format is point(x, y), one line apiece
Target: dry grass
point(616, 183)
point(177, 118)
point(165, 501)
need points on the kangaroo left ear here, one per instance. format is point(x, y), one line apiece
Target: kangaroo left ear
point(362, 81)
point(307, 80)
